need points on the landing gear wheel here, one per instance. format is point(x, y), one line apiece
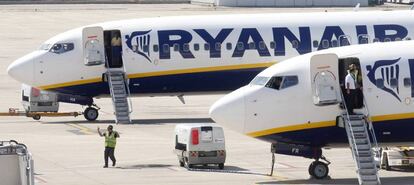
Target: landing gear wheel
point(91, 114)
point(181, 163)
point(221, 166)
point(36, 117)
point(318, 170)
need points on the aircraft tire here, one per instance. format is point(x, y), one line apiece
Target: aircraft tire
point(91, 114)
point(318, 170)
point(181, 163)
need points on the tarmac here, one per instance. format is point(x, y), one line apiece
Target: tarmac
point(68, 151)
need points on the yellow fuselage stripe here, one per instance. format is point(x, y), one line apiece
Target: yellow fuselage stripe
point(163, 73)
point(331, 123)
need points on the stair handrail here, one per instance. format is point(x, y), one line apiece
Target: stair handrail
point(349, 127)
point(370, 126)
point(127, 89)
point(108, 78)
point(374, 137)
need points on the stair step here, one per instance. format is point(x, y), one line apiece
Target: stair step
point(360, 135)
point(366, 165)
point(368, 171)
point(371, 183)
point(122, 113)
point(358, 129)
point(363, 147)
point(365, 159)
point(357, 123)
point(369, 177)
point(119, 92)
point(122, 109)
point(361, 141)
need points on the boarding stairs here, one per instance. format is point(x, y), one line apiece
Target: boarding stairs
point(119, 89)
point(357, 128)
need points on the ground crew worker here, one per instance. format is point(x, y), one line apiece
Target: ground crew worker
point(110, 143)
point(350, 87)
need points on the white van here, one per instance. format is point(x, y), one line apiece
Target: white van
point(200, 144)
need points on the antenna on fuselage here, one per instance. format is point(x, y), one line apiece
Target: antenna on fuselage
point(356, 8)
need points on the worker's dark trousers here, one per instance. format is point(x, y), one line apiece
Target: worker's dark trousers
point(351, 101)
point(109, 152)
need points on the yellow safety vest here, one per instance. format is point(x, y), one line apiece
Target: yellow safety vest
point(110, 139)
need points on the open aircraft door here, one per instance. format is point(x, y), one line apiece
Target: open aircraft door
point(324, 79)
point(93, 46)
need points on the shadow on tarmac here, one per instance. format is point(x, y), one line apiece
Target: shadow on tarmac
point(141, 121)
point(384, 181)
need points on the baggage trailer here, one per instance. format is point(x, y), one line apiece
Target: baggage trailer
point(38, 115)
point(38, 103)
point(16, 164)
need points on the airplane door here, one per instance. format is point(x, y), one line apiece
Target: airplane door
point(324, 79)
point(93, 46)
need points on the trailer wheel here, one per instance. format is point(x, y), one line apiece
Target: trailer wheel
point(36, 117)
point(221, 166)
point(90, 114)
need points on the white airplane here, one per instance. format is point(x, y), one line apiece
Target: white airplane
point(179, 56)
point(294, 104)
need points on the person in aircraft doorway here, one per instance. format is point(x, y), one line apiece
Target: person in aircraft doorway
point(359, 101)
point(116, 47)
point(351, 91)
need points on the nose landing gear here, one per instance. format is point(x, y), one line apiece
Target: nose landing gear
point(318, 169)
point(91, 113)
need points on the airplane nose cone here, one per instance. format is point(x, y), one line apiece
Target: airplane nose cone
point(229, 111)
point(22, 70)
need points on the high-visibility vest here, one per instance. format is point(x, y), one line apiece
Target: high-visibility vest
point(110, 139)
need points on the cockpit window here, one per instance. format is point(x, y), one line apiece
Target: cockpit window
point(282, 82)
point(45, 47)
point(59, 48)
point(260, 80)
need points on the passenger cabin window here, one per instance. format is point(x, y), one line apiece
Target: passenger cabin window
point(407, 82)
point(186, 47)
point(218, 46)
point(240, 46)
point(166, 48)
point(398, 39)
point(363, 39)
point(325, 43)
point(376, 40)
point(334, 43)
point(262, 45)
point(315, 44)
point(176, 47)
point(282, 82)
point(394, 83)
point(379, 83)
point(295, 44)
point(408, 38)
point(229, 46)
point(145, 48)
point(260, 80)
point(206, 46)
point(155, 48)
point(196, 47)
point(272, 45)
point(60, 48)
point(252, 45)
